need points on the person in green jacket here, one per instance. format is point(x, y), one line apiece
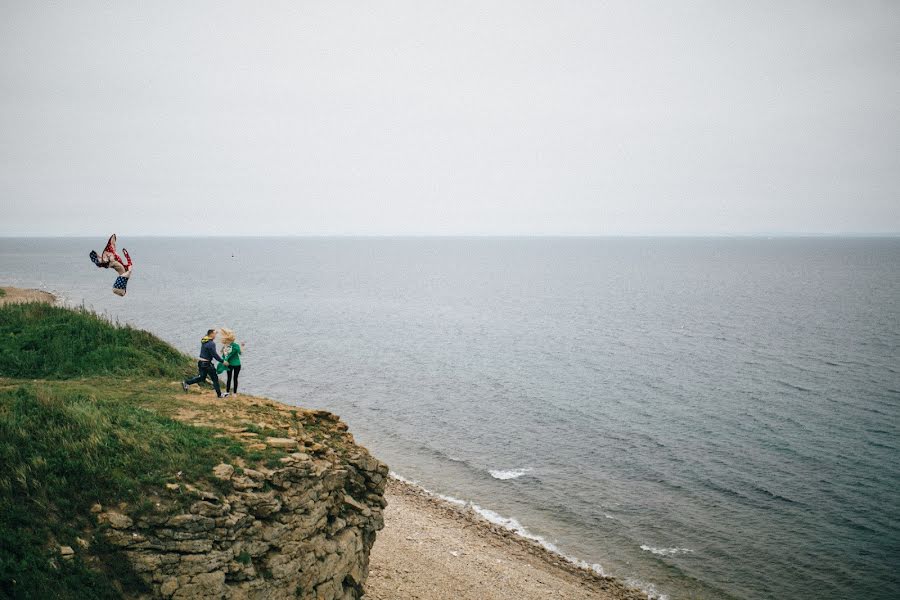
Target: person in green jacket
point(231, 353)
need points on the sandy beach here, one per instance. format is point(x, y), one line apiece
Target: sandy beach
point(13, 295)
point(431, 549)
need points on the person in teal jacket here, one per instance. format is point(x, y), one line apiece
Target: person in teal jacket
point(231, 354)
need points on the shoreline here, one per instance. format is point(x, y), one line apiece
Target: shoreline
point(15, 295)
point(434, 547)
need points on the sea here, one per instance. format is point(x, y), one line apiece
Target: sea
point(700, 417)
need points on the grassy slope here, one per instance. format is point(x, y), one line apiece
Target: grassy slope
point(49, 342)
point(83, 419)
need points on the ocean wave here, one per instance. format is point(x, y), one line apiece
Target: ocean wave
point(508, 474)
point(501, 474)
point(446, 456)
point(508, 523)
point(794, 386)
point(773, 495)
point(647, 588)
point(665, 551)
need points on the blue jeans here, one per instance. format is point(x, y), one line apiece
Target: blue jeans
point(204, 369)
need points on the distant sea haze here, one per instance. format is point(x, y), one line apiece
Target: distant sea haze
point(702, 417)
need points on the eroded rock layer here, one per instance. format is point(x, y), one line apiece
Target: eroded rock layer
point(303, 529)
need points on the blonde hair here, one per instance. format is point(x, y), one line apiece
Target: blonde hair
point(227, 335)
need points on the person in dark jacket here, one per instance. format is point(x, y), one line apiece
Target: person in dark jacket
point(205, 367)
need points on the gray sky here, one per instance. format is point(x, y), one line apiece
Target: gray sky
point(456, 117)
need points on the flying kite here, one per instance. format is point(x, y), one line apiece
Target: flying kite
point(109, 259)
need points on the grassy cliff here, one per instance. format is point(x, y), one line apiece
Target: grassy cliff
point(38, 340)
point(78, 427)
point(93, 418)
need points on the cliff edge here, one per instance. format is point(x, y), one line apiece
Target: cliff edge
point(115, 483)
point(299, 526)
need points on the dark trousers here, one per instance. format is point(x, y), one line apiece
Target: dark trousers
point(204, 369)
point(236, 370)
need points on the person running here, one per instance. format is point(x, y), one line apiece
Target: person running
point(231, 351)
point(205, 366)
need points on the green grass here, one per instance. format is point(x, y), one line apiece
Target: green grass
point(40, 341)
point(83, 419)
point(263, 431)
point(64, 450)
point(2, 292)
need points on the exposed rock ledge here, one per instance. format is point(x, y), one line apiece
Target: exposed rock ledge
point(302, 529)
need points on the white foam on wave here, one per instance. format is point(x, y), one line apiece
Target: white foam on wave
point(647, 588)
point(401, 478)
point(508, 523)
point(513, 525)
point(508, 474)
point(449, 499)
point(665, 551)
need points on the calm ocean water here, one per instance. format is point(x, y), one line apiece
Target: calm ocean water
point(707, 418)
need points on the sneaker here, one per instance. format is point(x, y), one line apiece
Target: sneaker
point(225, 395)
point(184, 386)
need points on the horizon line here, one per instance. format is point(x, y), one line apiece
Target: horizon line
point(886, 234)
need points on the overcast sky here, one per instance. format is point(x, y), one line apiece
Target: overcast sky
point(455, 117)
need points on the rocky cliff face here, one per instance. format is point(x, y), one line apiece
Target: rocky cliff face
point(300, 528)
